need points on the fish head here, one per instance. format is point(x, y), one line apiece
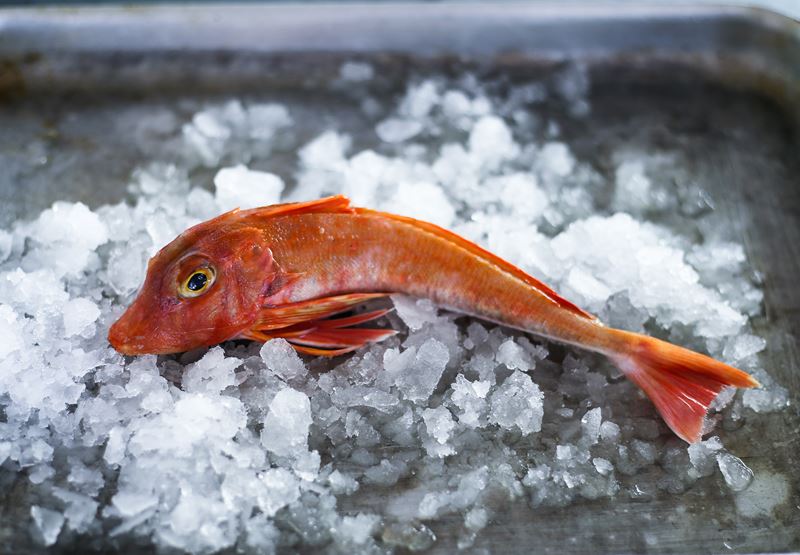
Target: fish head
point(204, 287)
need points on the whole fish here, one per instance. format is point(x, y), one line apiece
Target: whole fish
point(287, 270)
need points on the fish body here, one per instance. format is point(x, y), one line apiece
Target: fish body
point(288, 270)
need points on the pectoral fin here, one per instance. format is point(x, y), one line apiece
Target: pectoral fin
point(310, 328)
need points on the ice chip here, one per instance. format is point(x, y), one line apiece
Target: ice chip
point(281, 358)
point(281, 488)
point(212, 373)
point(491, 143)
point(358, 528)
point(513, 356)
point(6, 244)
point(517, 403)
point(132, 503)
point(737, 475)
point(420, 100)
point(470, 398)
point(591, 422)
point(48, 523)
point(239, 187)
point(126, 269)
point(702, 455)
point(78, 315)
point(555, 159)
point(396, 130)
point(285, 430)
point(603, 466)
point(415, 313)
point(264, 120)
point(71, 224)
point(439, 423)
point(418, 377)
point(423, 201)
point(10, 338)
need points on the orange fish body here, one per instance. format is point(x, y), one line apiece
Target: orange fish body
point(287, 270)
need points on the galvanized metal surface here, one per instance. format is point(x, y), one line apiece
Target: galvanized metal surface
point(719, 87)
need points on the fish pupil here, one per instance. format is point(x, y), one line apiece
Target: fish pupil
point(197, 282)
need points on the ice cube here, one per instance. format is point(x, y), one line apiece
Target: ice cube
point(439, 423)
point(415, 313)
point(419, 100)
point(396, 130)
point(126, 269)
point(491, 142)
point(240, 187)
point(702, 455)
point(423, 201)
point(264, 120)
point(48, 523)
point(359, 528)
point(742, 347)
point(591, 422)
point(737, 475)
point(417, 377)
point(6, 245)
point(281, 488)
point(517, 403)
point(212, 373)
point(131, 503)
point(286, 426)
point(521, 194)
point(10, 338)
point(513, 356)
point(80, 509)
point(470, 398)
point(71, 224)
point(78, 315)
point(603, 466)
point(281, 358)
point(555, 159)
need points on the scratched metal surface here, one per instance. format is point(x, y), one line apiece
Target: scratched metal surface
point(717, 86)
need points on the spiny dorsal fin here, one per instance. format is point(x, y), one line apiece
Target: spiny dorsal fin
point(485, 255)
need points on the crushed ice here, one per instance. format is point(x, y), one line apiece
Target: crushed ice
point(244, 446)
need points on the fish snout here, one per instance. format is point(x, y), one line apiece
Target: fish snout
point(124, 338)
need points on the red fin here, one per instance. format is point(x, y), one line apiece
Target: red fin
point(486, 255)
point(336, 323)
point(338, 204)
point(323, 352)
point(681, 383)
point(308, 327)
point(283, 316)
point(335, 338)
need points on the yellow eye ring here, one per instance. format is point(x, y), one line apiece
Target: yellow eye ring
point(197, 283)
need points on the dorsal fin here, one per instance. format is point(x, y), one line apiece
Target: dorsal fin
point(338, 204)
point(486, 255)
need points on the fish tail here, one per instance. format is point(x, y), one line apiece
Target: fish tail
point(681, 383)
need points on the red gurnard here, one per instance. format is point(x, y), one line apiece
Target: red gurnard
point(288, 270)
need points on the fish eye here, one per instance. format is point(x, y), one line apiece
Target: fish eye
point(197, 283)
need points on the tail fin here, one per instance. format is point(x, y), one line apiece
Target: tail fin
point(681, 383)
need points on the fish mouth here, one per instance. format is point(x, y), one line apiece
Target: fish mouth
point(124, 342)
point(127, 335)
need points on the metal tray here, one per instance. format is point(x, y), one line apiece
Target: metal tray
point(720, 85)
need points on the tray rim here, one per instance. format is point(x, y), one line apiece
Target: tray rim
point(65, 28)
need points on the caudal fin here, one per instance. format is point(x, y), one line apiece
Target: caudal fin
point(681, 383)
